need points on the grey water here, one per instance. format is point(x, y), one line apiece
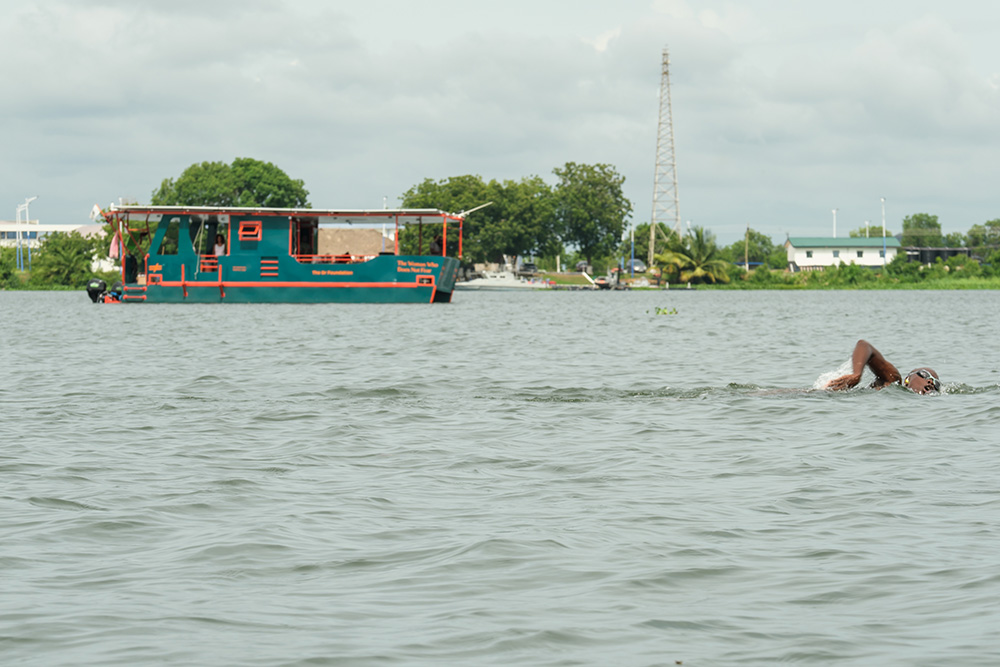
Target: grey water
point(542, 478)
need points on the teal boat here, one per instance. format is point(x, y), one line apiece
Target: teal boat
point(274, 255)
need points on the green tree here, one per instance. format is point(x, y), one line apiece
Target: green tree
point(921, 230)
point(523, 220)
point(976, 236)
point(954, 240)
point(454, 195)
point(900, 268)
point(754, 245)
point(695, 258)
point(778, 259)
point(849, 275)
point(63, 259)
point(263, 184)
point(936, 271)
point(993, 231)
point(247, 182)
point(205, 184)
point(991, 267)
point(642, 241)
point(591, 208)
point(8, 265)
point(963, 266)
point(873, 231)
point(987, 234)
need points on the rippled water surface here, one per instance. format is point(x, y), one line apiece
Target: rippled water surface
point(530, 479)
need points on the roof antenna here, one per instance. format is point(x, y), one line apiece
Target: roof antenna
point(465, 213)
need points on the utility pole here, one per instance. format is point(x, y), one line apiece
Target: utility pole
point(666, 208)
point(746, 250)
point(883, 231)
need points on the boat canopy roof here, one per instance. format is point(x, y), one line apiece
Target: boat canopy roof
point(402, 216)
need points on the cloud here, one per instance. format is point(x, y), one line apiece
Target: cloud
point(600, 43)
point(779, 115)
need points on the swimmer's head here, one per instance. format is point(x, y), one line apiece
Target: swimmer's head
point(922, 381)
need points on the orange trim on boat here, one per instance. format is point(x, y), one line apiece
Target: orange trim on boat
point(261, 283)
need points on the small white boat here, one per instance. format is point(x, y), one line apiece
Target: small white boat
point(501, 280)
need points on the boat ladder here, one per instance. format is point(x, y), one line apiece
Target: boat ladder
point(134, 293)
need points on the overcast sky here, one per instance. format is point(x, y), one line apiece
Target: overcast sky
point(783, 110)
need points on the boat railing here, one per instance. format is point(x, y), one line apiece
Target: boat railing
point(208, 263)
point(333, 259)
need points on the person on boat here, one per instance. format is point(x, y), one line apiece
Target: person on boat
point(921, 380)
point(220, 245)
point(437, 245)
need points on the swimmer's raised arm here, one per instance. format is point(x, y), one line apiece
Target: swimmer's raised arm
point(865, 354)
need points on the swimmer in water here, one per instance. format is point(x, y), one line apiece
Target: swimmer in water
point(920, 380)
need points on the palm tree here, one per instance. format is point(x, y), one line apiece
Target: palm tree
point(695, 258)
point(672, 260)
point(64, 259)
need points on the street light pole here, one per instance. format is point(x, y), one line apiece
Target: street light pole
point(631, 234)
point(27, 221)
point(834, 223)
point(17, 221)
point(746, 250)
point(883, 232)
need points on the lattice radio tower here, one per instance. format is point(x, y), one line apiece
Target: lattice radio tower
point(666, 209)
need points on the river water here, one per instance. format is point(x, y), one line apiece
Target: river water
point(512, 479)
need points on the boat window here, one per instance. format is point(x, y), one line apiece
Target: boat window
point(203, 230)
point(171, 238)
point(250, 230)
point(305, 236)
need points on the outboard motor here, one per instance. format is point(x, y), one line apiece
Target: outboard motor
point(96, 289)
point(117, 290)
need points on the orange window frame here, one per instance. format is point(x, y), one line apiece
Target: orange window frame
point(250, 230)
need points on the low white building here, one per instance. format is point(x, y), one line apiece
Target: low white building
point(808, 253)
point(30, 234)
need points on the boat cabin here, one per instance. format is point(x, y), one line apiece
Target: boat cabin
point(208, 254)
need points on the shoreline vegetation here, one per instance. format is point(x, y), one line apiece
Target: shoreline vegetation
point(959, 272)
point(64, 263)
point(581, 220)
point(942, 284)
point(812, 281)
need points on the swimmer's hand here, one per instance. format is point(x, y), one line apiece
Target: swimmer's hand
point(844, 382)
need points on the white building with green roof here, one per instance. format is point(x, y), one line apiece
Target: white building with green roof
point(808, 253)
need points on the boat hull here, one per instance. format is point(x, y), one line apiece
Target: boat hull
point(499, 282)
point(384, 279)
